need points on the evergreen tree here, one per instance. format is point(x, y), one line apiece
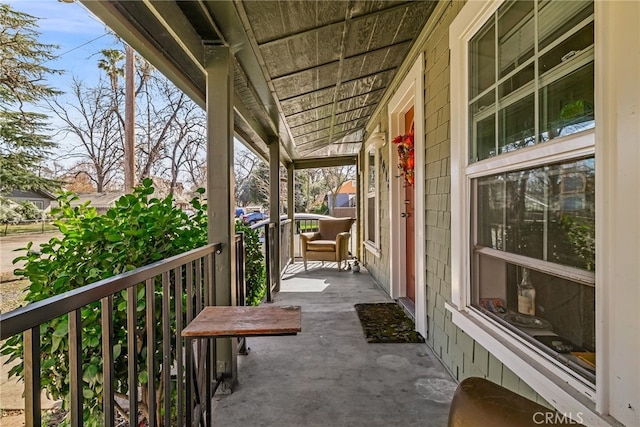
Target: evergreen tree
point(23, 139)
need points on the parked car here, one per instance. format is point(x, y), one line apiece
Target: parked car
point(240, 212)
point(253, 217)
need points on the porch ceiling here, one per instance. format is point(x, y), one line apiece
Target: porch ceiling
point(308, 73)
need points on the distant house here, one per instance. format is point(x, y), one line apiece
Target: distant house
point(40, 198)
point(100, 201)
point(103, 201)
point(345, 201)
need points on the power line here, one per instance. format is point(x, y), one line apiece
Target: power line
point(79, 46)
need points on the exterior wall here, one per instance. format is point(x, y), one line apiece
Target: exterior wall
point(30, 196)
point(462, 356)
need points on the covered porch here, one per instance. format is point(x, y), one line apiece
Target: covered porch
point(328, 374)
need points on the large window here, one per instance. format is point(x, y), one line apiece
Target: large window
point(529, 86)
point(539, 222)
point(531, 210)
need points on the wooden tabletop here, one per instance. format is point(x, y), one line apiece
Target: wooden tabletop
point(219, 321)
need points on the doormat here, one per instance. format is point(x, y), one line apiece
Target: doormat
point(387, 323)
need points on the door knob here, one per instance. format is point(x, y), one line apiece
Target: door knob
point(404, 214)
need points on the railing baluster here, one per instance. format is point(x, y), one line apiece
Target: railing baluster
point(268, 255)
point(32, 386)
point(189, 348)
point(199, 286)
point(132, 353)
point(177, 273)
point(75, 367)
point(107, 361)
point(209, 291)
point(166, 347)
point(210, 358)
point(151, 343)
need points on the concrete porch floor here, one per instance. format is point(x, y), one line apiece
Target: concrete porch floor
point(328, 375)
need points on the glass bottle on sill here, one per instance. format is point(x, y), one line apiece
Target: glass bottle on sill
point(526, 295)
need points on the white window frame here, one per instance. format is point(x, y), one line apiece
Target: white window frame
point(373, 145)
point(565, 389)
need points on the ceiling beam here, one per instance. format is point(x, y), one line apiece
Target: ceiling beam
point(233, 23)
point(325, 162)
point(342, 100)
point(341, 59)
point(386, 70)
point(336, 24)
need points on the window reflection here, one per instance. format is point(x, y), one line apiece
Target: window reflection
point(546, 213)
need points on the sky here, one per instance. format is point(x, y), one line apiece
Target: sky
point(79, 35)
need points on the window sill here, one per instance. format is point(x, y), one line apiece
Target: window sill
point(567, 393)
point(372, 248)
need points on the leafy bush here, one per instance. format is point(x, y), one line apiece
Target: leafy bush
point(139, 230)
point(29, 211)
point(134, 233)
point(321, 209)
point(255, 271)
point(9, 215)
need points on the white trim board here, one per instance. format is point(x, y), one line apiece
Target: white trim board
point(409, 94)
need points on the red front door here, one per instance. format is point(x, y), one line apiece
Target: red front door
point(410, 226)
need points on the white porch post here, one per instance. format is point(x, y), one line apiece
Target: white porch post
point(291, 207)
point(220, 197)
point(274, 202)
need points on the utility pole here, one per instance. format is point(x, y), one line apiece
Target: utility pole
point(129, 121)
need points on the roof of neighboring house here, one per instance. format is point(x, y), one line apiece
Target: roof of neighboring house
point(348, 187)
point(98, 200)
point(33, 193)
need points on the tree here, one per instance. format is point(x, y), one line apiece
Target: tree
point(169, 127)
point(91, 119)
point(24, 143)
point(244, 165)
point(334, 178)
point(170, 130)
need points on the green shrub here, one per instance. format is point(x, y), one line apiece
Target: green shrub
point(134, 233)
point(9, 215)
point(29, 211)
point(255, 270)
point(137, 231)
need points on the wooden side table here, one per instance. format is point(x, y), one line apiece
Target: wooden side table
point(228, 322)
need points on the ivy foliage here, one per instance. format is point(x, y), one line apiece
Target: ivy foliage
point(137, 231)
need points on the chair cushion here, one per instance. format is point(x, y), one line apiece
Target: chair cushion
point(321, 246)
point(329, 228)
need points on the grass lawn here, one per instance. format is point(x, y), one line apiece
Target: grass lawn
point(8, 229)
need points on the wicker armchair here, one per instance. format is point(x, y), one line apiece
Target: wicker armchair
point(330, 243)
